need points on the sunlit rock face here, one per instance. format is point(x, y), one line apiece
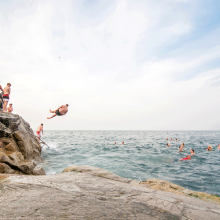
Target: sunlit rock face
point(19, 148)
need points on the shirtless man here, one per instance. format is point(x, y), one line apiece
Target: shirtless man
point(10, 109)
point(7, 91)
point(62, 110)
point(188, 157)
point(39, 130)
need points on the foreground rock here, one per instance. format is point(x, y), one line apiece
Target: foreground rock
point(19, 148)
point(84, 192)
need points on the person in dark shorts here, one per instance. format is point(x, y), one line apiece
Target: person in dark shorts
point(62, 110)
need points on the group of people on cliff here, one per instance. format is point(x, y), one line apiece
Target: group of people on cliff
point(192, 152)
point(6, 93)
point(62, 110)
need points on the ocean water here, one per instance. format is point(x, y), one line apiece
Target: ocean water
point(144, 155)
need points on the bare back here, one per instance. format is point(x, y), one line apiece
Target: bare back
point(7, 90)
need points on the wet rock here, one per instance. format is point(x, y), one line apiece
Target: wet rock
point(19, 147)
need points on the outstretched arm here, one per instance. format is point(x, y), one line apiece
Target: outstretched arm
point(1, 88)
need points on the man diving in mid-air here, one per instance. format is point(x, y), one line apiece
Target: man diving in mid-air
point(62, 110)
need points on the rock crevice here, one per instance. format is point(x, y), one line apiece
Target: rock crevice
point(19, 147)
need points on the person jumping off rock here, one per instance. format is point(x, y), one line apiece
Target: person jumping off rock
point(62, 110)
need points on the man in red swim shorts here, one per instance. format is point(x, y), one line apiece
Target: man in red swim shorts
point(7, 91)
point(39, 130)
point(188, 157)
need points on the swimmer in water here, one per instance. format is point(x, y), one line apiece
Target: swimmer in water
point(168, 145)
point(218, 146)
point(171, 139)
point(123, 143)
point(209, 148)
point(114, 143)
point(176, 139)
point(183, 145)
point(180, 148)
point(167, 139)
point(188, 157)
point(192, 152)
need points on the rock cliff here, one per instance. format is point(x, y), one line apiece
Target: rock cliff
point(19, 148)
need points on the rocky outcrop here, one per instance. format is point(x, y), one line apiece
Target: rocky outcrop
point(85, 192)
point(19, 148)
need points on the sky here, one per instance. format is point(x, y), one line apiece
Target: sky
point(119, 64)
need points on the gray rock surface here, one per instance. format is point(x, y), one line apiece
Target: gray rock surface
point(19, 148)
point(84, 192)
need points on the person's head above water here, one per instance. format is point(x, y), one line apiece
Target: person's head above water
point(192, 152)
point(168, 144)
point(123, 143)
point(209, 148)
point(219, 146)
point(114, 143)
point(183, 145)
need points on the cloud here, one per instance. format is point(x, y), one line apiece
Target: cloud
point(119, 64)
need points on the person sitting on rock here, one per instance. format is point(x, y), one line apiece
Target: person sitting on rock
point(192, 152)
point(188, 157)
point(39, 130)
point(209, 148)
point(62, 110)
point(10, 109)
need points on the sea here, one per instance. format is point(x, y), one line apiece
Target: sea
point(144, 155)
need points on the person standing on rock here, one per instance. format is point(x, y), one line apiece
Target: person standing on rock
point(7, 92)
point(39, 130)
point(62, 110)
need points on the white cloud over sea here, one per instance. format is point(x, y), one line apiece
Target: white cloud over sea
point(123, 64)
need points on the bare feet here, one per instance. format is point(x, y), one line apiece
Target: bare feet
point(48, 118)
point(50, 112)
